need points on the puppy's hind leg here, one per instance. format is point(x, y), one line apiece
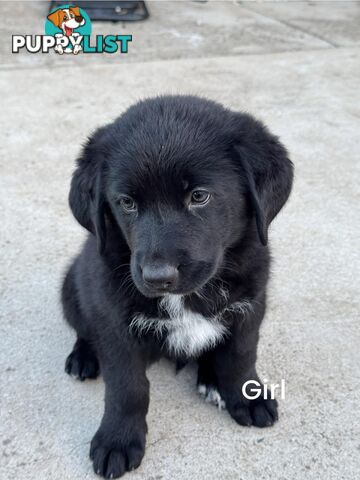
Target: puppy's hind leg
point(82, 362)
point(207, 382)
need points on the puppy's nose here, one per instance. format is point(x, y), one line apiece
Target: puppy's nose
point(79, 19)
point(160, 276)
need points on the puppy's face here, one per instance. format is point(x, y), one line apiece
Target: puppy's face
point(181, 180)
point(178, 209)
point(67, 19)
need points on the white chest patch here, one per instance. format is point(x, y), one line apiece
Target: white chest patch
point(186, 332)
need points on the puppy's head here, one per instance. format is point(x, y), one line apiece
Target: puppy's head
point(182, 180)
point(67, 19)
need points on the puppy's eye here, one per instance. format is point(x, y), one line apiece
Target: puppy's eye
point(127, 204)
point(200, 197)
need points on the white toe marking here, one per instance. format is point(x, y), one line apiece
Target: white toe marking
point(202, 389)
point(211, 395)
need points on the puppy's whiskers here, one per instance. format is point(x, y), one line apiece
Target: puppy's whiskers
point(126, 284)
point(120, 266)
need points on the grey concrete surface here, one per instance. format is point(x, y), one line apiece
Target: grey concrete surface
point(307, 92)
point(333, 22)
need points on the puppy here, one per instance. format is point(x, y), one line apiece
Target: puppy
point(177, 194)
point(67, 19)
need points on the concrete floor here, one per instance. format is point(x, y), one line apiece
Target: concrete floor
point(295, 66)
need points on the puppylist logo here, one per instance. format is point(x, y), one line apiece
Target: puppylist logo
point(68, 31)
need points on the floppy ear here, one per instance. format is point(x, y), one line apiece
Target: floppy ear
point(86, 198)
point(55, 17)
point(266, 169)
point(76, 11)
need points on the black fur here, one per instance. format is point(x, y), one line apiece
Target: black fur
point(157, 153)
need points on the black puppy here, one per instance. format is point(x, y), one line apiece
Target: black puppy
point(178, 194)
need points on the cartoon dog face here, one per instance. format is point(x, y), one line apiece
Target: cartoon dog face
point(67, 19)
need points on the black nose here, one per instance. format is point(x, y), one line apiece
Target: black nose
point(160, 276)
point(79, 19)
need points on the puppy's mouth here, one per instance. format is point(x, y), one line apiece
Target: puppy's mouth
point(158, 293)
point(151, 292)
point(68, 31)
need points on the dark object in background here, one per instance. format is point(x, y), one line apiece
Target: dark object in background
point(112, 11)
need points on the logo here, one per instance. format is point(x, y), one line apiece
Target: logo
point(68, 25)
point(68, 31)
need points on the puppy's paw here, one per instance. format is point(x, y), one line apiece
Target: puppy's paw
point(59, 49)
point(77, 49)
point(211, 395)
point(260, 412)
point(82, 363)
point(113, 455)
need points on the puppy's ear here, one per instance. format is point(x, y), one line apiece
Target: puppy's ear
point(75, 11)
point(86, 198)
point(55, 17)
point(266, 169)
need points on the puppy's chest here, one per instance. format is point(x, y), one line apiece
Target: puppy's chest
point(182, 331)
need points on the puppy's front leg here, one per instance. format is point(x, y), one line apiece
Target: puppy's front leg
point(119, 444)
point(234, 366)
